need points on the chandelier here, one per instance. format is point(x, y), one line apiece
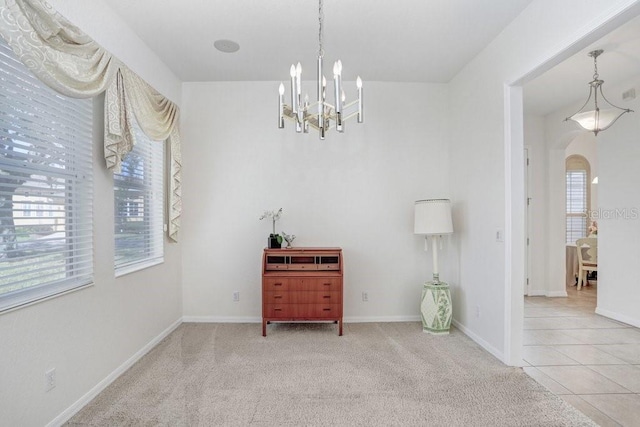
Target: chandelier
point(597, 119)
point(320, 115)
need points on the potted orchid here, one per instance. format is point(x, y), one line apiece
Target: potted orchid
point(275, 240)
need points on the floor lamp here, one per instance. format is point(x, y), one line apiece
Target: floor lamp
point(433, 220)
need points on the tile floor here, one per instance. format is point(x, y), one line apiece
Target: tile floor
point(590, 361)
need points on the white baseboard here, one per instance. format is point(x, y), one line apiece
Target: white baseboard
point(619, 317)
point(221, 319)
point(372, 319)
point(546, 293)
point(557, 294)
point(536, 293)
point(80, 403)
point(352, 319)
point(482, 343)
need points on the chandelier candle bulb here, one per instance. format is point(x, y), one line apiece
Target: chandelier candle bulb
point(342, 99)
point(337, 83)
point(305, 119)
point(292, 72)
point(321, 84)
point(281, 106)
point(336, 86)
point(359, 85)
point(299, 96)
point(324, 88)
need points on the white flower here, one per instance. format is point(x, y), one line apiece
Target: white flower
point(274, 215)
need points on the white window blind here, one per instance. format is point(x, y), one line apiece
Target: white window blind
point(577, 197)
point(139, 206)
point(45, 187)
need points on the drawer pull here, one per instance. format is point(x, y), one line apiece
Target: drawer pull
point(326, 309)
point(327, 296)
point(277, 309)
point(327, 284)
point(277, 284)
point(277, 296)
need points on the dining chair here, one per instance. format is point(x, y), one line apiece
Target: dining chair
point(587, 250)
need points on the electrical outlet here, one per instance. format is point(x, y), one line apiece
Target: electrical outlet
point(50, 379)
point(236, 296)
point(365, 297)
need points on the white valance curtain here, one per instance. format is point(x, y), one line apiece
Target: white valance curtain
point(70, 62)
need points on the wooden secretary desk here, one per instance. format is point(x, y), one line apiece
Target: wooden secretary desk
point(302, 284)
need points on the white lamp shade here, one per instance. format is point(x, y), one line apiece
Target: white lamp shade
point(433, 216)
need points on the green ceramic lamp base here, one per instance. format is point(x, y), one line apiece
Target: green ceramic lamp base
point(436, 308)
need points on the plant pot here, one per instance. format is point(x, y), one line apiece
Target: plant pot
point(273, 242)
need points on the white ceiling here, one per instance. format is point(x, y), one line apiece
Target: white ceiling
point(399, 41)
point(402, 41)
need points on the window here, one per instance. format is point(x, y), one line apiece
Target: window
point(139, 205)
point(578, 197)
point(45, 187)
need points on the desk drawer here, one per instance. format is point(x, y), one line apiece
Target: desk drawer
point(302, 297)
point(275, 284)
point(315, 284)
point(302, 284)
point(302, 311)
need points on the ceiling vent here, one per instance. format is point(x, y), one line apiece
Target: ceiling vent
point(628, 95)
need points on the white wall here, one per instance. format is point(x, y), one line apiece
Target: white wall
point(354, 190)
point(486, 159)
point(534, 140)
point(619, 210)
point(88, 334)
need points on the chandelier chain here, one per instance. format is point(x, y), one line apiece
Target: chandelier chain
point(320, 22)
point(596, 76)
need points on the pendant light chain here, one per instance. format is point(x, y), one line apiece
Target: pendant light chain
point(320, 22)
point(596, 76)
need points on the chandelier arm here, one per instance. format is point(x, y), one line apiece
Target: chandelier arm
point(614, 120)
point(583, 105)
point(351, 104)
point(626, 110)
point(350, 116)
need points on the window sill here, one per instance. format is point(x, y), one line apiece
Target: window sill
point(123, 271)
point(17, 305)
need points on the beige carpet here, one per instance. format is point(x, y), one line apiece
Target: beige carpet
point(377, 374)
